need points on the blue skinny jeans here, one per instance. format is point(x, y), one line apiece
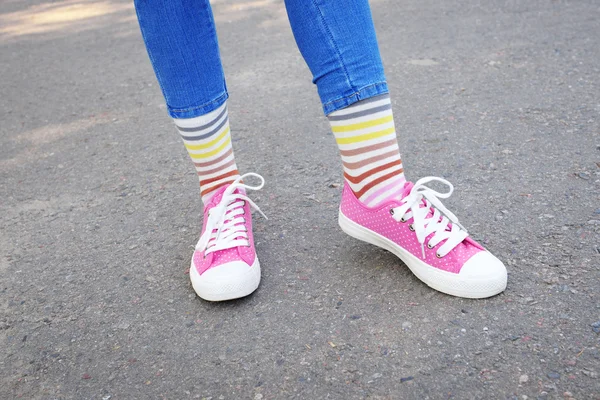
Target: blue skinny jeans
point(336, 38)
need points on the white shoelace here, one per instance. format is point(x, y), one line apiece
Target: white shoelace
point(418, 205)
point(225, 225)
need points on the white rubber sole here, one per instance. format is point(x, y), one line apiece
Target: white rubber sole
point(231, 283)
point(443, 281)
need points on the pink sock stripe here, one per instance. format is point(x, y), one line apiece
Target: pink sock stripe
point(396, 194)
point(395, 182)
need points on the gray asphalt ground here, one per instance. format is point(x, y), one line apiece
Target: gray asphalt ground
point(100, 211)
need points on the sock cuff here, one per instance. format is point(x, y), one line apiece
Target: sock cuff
point(202, 121)
point(362, 108)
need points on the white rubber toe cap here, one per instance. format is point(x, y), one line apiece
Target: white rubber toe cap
point(484, 274)
point(227, 281)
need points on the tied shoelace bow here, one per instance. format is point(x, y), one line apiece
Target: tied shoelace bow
point(225, 225)
point(431, 216)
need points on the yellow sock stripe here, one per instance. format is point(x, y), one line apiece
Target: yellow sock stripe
point(213, 152)
point(367, 136)
point(209, 144)
point(362, 125)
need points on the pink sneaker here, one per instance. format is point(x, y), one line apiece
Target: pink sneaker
point(427, 238)
point(224, 265)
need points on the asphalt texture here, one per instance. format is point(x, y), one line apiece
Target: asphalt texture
point(100, 211)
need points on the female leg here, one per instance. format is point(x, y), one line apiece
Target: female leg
point(337, 39)
point(182, 44)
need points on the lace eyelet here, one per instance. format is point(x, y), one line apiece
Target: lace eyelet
point(403, 220)
point(429, 246)
point(411, 227)
point(438, 255)
point(391, 211)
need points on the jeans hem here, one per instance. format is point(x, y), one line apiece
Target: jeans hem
point(196, 111)
point(361, 94)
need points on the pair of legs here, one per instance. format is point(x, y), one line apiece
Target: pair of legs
point(338, 42)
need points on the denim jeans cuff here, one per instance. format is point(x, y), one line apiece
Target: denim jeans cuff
point(363, 93)
point(196, 111)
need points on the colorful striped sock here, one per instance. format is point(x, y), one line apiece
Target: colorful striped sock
point(366, 137)
point(208, 142)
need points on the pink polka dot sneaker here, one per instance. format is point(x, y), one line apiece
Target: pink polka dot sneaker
point(224, 265)
point(428, 238)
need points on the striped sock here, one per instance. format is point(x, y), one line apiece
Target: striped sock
point(366, 137)
point(208, 142)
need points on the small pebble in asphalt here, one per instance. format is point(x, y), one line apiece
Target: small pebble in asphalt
point(596, 327)
point(553, 375)
point(523, 379)
point(406, 325)
point(584, 175)
point(408, 378)
point(591, 374)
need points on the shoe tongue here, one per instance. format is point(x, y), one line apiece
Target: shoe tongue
point(218, 195)
point(406, 189)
